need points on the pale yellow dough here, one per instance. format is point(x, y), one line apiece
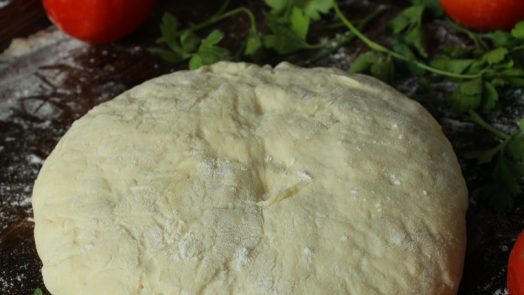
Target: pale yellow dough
point(239, 179)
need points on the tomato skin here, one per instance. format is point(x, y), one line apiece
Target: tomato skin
point(485, 15)
point(516, 267)
point(98, 21)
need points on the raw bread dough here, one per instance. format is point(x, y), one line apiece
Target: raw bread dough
point(239, 179)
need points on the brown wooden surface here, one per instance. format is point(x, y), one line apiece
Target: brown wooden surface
point(44, 91)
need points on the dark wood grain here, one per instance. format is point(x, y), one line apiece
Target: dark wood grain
point(44, 91)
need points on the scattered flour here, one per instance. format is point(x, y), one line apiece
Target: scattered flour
point(39, 40)
point(4, 3)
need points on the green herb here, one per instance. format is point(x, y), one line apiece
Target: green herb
point(38, 291)
point(289, 21)
point(507, 161)
point(518, 30)
point(179, 44)
point(408, 25)
point(208, 52)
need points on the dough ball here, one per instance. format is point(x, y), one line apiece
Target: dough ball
point(239, 179)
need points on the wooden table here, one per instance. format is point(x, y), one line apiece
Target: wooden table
point(44, 90)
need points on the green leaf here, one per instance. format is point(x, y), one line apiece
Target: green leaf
point(496, 55)
point(310, 8)
point(168, 29)
point(513, 76)
point(518, 30)
point(363, 62)
point(407, 19)
point(485, 156)
point(314, 8)
point(500, 39)
point(505, 185)
point(515, 72)
point(468, 95)
point(406, 51)
point(505, 176)
point(516, 147)
point(383, 69)
point(378, 65)
point(212, 39)
point(195, 62)
point(476, 67)
point(416, 40)
point(471, 87)
point(189, 41)
point(455, 52)
point(521, 124)
point(208, 52)
point(457, 66)
point(401, 23)
point(490, 97)
point(283, 39)
point(278, 6)
point(254, 45)
point(408, 23)
point(299, 23)
point(38, 291)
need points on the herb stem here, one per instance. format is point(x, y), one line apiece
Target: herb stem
point(479, 121)
point(371, 44)
point(341, 40)
point(478, 41)
point(379, 48)
point(222, 8)
point(218, 17)
point(517, 48)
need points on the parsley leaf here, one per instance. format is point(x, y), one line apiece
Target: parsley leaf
point(208, 52)
point(314, 8)
point(38, 291)
point(408, 25)
point(289, 21)
point(284, 39)
point(467, 96)
point(254, 45)
point(507, 177)
point(376, 64)
point(518, 30)
point(495, 56)
point(180, 44)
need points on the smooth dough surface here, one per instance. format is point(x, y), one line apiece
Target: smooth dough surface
point(239, 179)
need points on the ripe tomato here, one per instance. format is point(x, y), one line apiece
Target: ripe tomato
point(516, 267)
point(98, 21)
point(485, 15)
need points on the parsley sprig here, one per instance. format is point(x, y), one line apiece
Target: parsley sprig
point(507, 161)
point(288, 22)
point(184, 44)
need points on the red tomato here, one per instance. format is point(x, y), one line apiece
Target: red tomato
point(516, 267)
point(98, 21)
point(485, 15)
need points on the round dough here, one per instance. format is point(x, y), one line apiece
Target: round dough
point(239, 179)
